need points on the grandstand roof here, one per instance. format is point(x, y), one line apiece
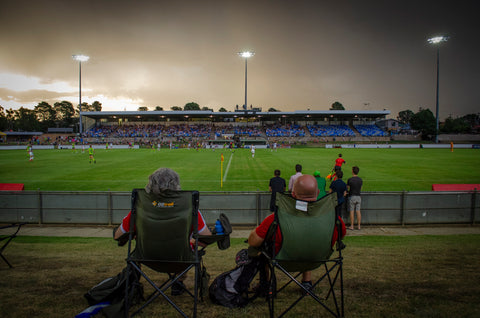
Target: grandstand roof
point(241, 113)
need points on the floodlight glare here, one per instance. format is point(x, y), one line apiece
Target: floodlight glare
point(246, 54)
point(437, 39)
point(81, 58)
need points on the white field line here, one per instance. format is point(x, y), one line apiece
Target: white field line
point(228, 167)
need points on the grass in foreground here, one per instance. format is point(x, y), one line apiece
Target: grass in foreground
point(125, 169)
point(410, 276)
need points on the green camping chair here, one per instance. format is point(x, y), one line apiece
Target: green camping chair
point(162, 225)
point(307, 229)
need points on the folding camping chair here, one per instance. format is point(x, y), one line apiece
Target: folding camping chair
point(163, 225)
point(8, 238)
point(307, 229)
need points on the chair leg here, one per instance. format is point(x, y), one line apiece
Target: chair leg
point(8, 263)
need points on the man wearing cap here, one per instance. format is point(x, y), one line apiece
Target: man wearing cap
point(321, 185)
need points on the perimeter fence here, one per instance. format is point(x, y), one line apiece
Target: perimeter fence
point(242, 208)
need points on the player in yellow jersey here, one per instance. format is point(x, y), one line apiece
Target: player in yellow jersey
point(91, 153)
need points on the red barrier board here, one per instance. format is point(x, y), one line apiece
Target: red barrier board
point(12, 186)
point(455, 187)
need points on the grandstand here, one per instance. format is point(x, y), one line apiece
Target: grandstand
point(245, 126)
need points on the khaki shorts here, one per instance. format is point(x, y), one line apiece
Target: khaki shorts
point(354, 203)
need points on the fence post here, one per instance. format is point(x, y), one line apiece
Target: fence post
point(109, 207)
point(473, 207)
point(40, 206)
point(402, 207)
point(258, 207)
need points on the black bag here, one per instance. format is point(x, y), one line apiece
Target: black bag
point(231, 289)
point(113, 290)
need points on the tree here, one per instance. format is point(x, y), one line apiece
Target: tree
point(271, 109)
point(97, 106)
point(3, 119)
point(27, 120)
point(176, 108)
point(405, 116)
point(222, 110)
point(424, 121)
point(142, 109)
point(191, 106)
point(455, 126)
point(64, 112)
point(46, 115)
point(206, 108)
point(472, 119)
point(158, 108)
point(337, 106)
point(45, 112)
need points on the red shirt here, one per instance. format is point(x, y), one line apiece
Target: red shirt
point(262, 230)
point(339, 162)
point(125, 226)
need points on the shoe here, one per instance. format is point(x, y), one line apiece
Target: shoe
point(308, 285)
point(178, 288)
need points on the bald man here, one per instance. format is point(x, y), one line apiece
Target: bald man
point(305, 188)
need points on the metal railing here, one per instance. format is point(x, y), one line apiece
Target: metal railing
point(242, 208)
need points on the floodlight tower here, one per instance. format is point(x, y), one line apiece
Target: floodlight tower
point(246, 55)
point(80, 58)
point(436, 41)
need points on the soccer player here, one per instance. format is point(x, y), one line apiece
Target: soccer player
point(91, 153)
point(339, 162)
point(30, 152)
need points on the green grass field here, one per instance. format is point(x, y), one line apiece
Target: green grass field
point(124, 169)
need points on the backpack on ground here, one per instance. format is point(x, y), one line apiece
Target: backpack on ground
point(112, 291)
point(231, 289)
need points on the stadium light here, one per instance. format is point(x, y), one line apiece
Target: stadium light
point(436, 41)
point(246, 55)
point(80, 58)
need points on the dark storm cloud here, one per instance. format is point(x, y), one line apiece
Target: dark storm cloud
point(34, 96)
point(365, 54)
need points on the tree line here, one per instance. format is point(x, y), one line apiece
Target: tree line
point(425, 122)
point(61, 115)
point(64, 115)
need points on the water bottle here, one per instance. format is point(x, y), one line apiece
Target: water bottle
point(219, 228)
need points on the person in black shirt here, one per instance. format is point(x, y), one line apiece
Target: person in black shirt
point(354, 185)
point(277, 184)
point(340, 188)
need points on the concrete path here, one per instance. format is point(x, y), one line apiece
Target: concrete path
point(105, 231)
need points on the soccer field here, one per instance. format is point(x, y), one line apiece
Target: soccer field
point(124, 169)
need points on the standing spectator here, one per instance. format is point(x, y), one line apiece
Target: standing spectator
point(340, 188)
point(321, 185)
point(339, 162)
point(298, 169)
point(277, 184)
point(354, 185)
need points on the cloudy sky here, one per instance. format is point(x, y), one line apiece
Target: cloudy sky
point(368, 55)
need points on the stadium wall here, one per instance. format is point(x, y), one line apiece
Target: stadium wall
point(242, 208)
